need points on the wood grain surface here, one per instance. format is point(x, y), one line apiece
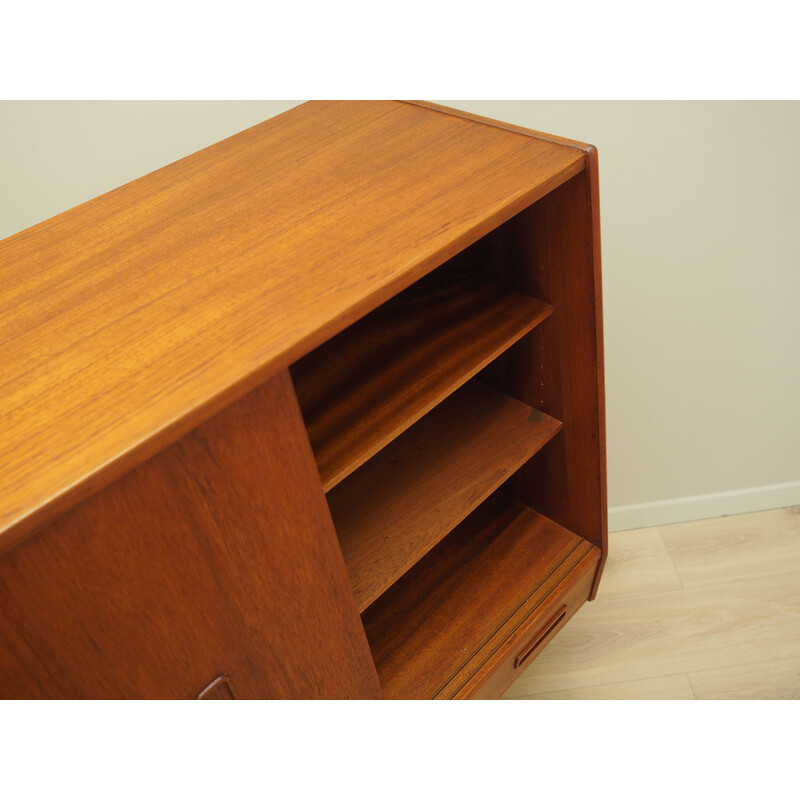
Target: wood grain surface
point(216, 557)
point(130, 319)
point(367, 385)
point(416, 490)
point(436, 626)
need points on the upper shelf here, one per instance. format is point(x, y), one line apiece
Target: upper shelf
point(366, 386)
point(128, 320)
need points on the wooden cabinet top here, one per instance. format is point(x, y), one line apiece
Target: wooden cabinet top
point(128, 320)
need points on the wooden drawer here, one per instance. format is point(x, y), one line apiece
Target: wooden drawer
point(544, 620)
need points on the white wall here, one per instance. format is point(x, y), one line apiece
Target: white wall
point(700, 210)
point(55, 155)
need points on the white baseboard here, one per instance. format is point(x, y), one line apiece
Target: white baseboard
point(703, 506)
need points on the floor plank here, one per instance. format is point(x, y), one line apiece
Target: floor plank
point(712, 604)
point(611, 641)
point(667, 687)
point(714, 551)
point(638, 563)
point(771, 680)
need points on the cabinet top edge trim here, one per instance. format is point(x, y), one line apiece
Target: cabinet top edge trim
point(506, 126)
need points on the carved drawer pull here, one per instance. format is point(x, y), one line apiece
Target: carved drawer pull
point(540, 638)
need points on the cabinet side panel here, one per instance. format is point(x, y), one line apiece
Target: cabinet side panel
point(217, 556)
point(552, 252)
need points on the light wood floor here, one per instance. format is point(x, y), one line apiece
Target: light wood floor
point(700, 610)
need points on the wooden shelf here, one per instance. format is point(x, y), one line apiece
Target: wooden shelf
point(435, 627)
point(401, 503)
point(366, 386)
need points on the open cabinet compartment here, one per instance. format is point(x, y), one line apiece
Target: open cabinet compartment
point(411, 494)
point(458, 433)
point(364, 387)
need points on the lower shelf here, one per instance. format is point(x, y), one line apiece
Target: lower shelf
point(475, 611)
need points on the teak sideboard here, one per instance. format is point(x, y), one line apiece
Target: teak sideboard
point(316, 412)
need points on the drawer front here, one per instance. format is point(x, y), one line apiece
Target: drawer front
point(534, 633)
